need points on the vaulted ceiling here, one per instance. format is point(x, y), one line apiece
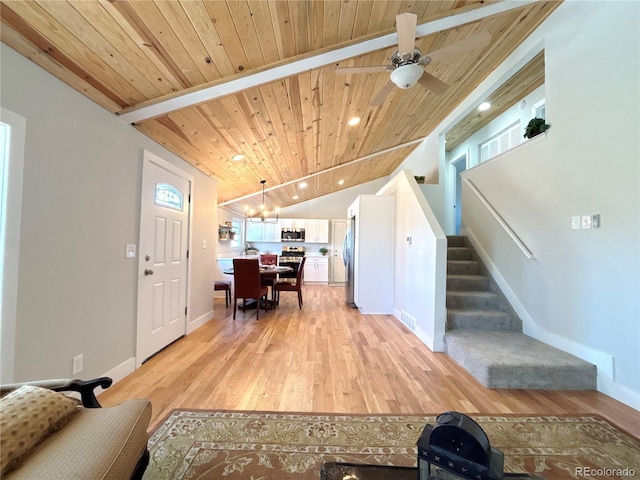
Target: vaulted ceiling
point(214, 79)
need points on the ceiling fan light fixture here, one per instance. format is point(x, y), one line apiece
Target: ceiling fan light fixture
point(406, 76)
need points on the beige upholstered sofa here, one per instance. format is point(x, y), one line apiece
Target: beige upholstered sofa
point(45, 434)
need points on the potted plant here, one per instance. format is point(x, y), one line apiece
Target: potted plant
point(419, 178)
point(535, 127)
point(323, 251)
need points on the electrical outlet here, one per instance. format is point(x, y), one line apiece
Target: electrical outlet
point(77, 364)
point(130, 251)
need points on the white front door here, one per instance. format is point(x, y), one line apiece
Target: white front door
point(339, 229)
point(164, 243)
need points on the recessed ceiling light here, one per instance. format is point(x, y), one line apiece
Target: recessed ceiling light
point(302, 184)
point(340, 182)
point(484, 106)
point(295, 197)
point(237, 157)
point(354, 121)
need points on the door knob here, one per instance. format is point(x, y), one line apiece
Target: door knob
point(148, 271)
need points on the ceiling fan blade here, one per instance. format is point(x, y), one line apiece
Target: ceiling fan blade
point(463, 46)
point(432, 83)
point(372, 69)
point(382, 94)
point(406, 26)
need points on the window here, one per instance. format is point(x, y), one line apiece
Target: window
point(236, 226)
point(500, 143)
point(168, 196)
point(538, 109)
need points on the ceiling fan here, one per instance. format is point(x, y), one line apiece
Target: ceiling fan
point(408, 62)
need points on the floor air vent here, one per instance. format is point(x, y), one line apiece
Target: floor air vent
point(408, 321)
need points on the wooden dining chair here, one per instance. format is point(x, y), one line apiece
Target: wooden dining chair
point(269, 279)
point(282, 286)
point(226, 288)
point(246, 275)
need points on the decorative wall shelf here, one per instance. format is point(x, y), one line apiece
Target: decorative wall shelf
point(226, 232)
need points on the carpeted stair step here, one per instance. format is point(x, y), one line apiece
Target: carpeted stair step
point(462, 267)
point(514, 360)
point(465, 283)
point(481, 320)
point(456, 241)
point(458, 253)
point(474, 300)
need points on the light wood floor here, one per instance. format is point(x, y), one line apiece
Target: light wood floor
point(327, 358)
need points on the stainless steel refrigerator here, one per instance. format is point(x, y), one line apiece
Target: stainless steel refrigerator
point(347, 254)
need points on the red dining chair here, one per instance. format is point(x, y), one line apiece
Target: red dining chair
point(291, 287)
point(246, 275)
point(226, 287)
point(269, 279)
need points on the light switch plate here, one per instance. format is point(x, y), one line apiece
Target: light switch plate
point(575, 222)
point(586, 222)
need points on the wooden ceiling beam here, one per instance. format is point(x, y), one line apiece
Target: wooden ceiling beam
point(209, 91)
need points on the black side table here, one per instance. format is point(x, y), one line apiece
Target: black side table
point(348, 471)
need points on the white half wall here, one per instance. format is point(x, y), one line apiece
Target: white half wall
point(420, 262)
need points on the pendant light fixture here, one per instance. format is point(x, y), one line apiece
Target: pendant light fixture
point(263, 215)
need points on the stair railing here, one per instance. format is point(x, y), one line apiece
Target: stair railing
point(500, 220)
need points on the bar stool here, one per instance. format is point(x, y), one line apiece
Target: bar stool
point(226, 286)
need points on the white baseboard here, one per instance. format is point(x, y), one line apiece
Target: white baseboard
point(198, 322)
point(621, 393)
point(118, 373)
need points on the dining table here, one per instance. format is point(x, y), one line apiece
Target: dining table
point(264, 269)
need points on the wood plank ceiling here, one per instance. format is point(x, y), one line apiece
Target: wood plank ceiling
point(129, 54)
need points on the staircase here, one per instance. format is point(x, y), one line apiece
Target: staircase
point(484, 334)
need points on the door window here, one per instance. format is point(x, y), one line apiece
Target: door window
point(169, 196)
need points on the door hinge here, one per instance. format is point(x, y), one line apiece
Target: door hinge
point(187, 253)
point(185, 311)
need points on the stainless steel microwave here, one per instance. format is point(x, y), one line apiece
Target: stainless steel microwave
point(292, 235)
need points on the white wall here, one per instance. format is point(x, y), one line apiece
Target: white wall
point(77, 292)
point(582, 292)
point(419, 263)
point(333, 206)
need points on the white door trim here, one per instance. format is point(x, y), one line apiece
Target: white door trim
point(12, 215)
point(149, 157)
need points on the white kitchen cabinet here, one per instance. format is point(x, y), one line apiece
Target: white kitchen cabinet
point(316, 270)
point(292, 223)
point(254, 232)
point(263, 232)
point(271, 232)
point(316, 231)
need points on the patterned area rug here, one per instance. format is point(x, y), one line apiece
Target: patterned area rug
point(273, 446)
